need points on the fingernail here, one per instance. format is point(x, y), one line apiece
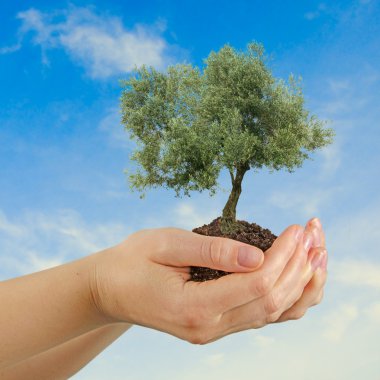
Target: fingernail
point(298, 234)
point(317, 260)
point(316, 237)
point(307, 240)
point(248, 257)
point(315, 222)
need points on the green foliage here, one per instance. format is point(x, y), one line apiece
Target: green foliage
point(190, 123)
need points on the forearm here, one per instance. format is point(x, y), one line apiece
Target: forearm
point(45, 309)
point(65, 360)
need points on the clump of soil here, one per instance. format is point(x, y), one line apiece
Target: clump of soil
point(250, 233)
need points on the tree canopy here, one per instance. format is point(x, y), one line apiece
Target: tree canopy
point(191, 122)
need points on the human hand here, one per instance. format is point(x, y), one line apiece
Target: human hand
point(144, 281)
point(313, 292)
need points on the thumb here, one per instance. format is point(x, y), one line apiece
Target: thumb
point(229, 255)
point(184, 248)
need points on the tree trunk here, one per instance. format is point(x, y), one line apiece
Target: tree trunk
point(229, 211)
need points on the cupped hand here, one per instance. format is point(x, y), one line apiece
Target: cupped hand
point(313, 292)
point(145, 281)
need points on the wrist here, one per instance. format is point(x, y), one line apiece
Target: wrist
point(100, 289)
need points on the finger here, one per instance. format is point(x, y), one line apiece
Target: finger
point(293, 280)
point(311, 296)
point(269, 307)
point(229, 292)
point(320, 239)
point(257, 316)
point(182, 248)
point(315, 261)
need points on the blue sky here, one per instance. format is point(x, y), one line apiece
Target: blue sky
point(63, 193)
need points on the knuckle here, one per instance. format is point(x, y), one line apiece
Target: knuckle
point(258, 324)
point(212, 251)
point(298, 314)
point(191, 320)
point(162, 241)
point(263, 285)
point(272, 303)
point(215, 252)
point(198, 337)
point(298, 295)
point(272, 318)
point(195, 317)
point(198, 325)
point(167, 238)
point(318, 299)
point(206, 249)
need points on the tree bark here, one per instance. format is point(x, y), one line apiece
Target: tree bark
point(229, 211)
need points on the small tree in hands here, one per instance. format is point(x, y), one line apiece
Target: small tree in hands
point(192, 122)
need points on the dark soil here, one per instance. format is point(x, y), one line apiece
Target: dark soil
point(249, 233)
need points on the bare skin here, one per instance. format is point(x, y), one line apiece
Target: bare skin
point(66, 359)
point(77, 309)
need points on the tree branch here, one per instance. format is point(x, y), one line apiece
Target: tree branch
point(231, 175)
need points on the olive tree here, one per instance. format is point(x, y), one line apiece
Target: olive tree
point(233, 114)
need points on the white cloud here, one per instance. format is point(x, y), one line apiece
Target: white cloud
point(37, 263)
point(186, 215)
point(346, 98)
point(339, 85)
point(315, 347)
point(373, 312)
point(10, 49)
point(357, 273)
point(37, 240)
point(331, 160)
point(305, 201)
point(263, 341)
point(338, 322)
point(312, 15)
point(9, 228)
point(101, 44)
point(215, 360)
point(347, 238)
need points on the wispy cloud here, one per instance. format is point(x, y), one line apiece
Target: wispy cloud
point(373, 312)
point(99, 43)
point(312, 15)
point(339, 85)
point(332, 158)
point(356, 236)
point(263, 341)
point(357, 273)
point(338, 321)
point(215, 360)
point(347, 96)
point(110, 124)
point(10, 49)
point(306, 201)
point(7, 227)
point(317, 346)
point(187, 215)
point(38, 240)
